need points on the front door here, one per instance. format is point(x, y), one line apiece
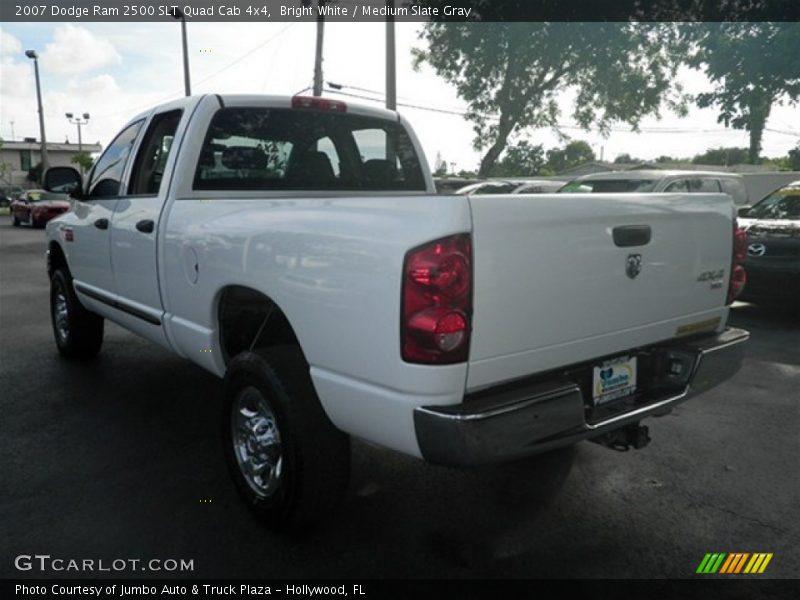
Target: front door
point(89, 250)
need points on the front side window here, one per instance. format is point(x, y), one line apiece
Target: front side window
point(704, 186)
point(678, 186)
point(781, 204)
point(106, 176)
point(289, 149)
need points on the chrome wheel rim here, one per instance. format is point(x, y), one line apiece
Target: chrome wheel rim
point(256, 442)
point(61, 316)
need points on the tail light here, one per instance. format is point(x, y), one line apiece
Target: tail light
point(738, 274)
point(317, 103)
point(437, 302)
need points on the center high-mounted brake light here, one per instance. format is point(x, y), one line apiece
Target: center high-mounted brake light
point(738, 274)
point(437, 301)
point(316, 103)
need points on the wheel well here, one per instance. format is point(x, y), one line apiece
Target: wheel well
point(56, 258)
point(248, 319)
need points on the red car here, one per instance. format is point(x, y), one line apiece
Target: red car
point(37, 207)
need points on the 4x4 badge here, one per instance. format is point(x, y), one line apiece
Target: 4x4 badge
point(633, 266)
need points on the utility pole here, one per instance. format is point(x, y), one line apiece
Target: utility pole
point(12, 131)
point(35, 57)
point(391, 66)
point(177, 13)
point(318, 55)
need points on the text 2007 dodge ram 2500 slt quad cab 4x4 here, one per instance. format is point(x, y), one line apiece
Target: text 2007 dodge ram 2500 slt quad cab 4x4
point(296, 247)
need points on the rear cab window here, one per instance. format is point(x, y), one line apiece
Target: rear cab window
point(274, 149)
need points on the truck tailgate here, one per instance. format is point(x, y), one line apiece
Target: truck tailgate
point(553, 286)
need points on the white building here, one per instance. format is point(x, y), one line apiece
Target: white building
point(23, 155)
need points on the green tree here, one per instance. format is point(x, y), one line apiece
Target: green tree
point(522, 159)
point(35, 174)
point(512, 74)
point(83, 160)
point(794, 158)
point(576, 152)
point(5, 168)
point(722, 156)
point(752, 67)
point(626, 158)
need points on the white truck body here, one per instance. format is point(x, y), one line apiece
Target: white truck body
point(550, 288)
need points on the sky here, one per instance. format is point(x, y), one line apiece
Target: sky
point(115, 70)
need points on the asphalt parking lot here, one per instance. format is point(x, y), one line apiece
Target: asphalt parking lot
point(121, 458)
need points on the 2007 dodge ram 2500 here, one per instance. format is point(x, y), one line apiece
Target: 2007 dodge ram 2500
point(296, 247)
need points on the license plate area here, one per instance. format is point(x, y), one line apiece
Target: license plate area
point(614, 379)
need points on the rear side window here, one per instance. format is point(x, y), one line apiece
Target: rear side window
point(283, 149)
point(606, 186)
point(148, 169)
point(735, 189)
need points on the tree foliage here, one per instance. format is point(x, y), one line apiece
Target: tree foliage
point(5, 168)
point(512, 75)
point(83, 160)
point(722, 156)
point(752, 66)
point(573, 154)
point(35, 174)
point(522, 159)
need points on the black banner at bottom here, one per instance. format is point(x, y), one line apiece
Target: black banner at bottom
point(710, 588)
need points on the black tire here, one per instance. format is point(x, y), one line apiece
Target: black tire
point(14, 220)
point(314, 457)
point(79, 333)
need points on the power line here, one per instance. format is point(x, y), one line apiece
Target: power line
point(212, 75)
point(464, 113)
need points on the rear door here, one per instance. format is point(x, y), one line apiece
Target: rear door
point(561, 279)
point(134, 226)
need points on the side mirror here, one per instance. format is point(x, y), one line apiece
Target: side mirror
point(743, 211)
point(63, 180)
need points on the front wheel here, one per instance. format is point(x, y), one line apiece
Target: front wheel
point(14, 220)
point(289, 462)
point(78, 332)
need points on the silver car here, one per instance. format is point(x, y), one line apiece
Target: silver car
point(656, 181)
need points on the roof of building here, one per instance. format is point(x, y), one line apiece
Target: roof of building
point(51, 146)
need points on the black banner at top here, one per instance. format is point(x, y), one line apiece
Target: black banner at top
point(399, 10)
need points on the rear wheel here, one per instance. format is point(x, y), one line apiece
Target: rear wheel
point(77, 331)
point(14, 220)
point(289, 462)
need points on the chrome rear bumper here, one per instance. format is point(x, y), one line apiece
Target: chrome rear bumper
point(530, 418)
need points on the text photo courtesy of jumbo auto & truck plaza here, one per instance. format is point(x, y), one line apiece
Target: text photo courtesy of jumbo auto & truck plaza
point(381, 299)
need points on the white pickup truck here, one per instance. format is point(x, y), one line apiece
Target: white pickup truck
point(297, 248)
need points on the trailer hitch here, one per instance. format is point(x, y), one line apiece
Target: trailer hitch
point(623, 439)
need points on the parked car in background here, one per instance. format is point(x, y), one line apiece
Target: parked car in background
point(511, 186)
point(773, 250)
point(37, 207)
point(656, 181)
point(8, 193)
point(540, 186)
point(489, 187)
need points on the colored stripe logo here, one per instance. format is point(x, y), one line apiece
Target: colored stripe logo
point(734, 563)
